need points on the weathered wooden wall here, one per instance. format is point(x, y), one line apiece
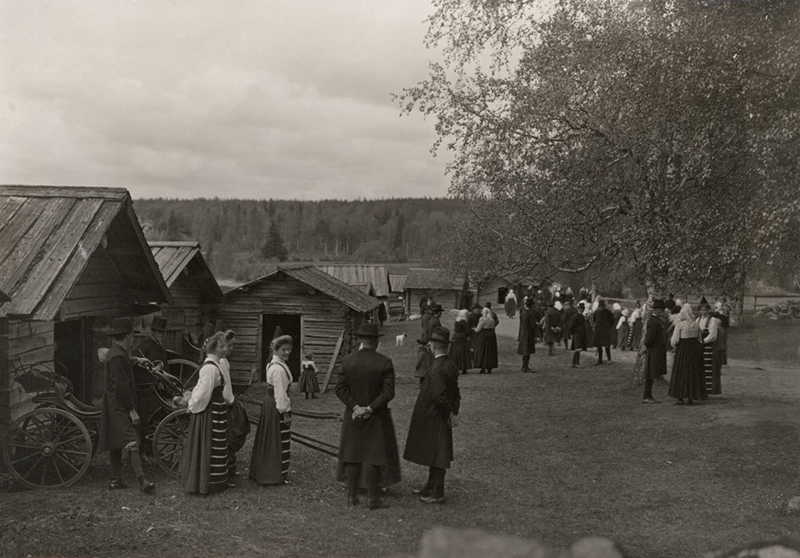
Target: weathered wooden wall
point(100, 290)
point(322, 321)
point(447, 298)
point(27, 343)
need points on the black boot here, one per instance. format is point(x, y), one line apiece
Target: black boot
point(438, 488)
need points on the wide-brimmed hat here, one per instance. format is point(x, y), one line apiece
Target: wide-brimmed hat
point(121, 325)
point(368, 330)
point(438, 308)
point(159, 324)
point(658, 303)
point(477, 306)
point(440, 334)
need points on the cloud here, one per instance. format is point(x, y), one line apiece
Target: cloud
point(251, 99)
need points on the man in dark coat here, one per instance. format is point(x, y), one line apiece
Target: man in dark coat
point(568, 313)
point(434, 321)
point(552, 328)
point(365, 386)
point(603, 330)
point(430, 434)
point(152, 347)
point(118, 416)
point(528, 324)
point(655, 342)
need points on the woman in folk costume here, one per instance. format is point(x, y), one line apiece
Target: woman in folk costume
point(637, 325)
point(486, 343)
point(709, 330)
point(623, 329)
point(511, 303)
point(204, 463)
point(686, 381)
point(577, 329)
point(552, 326)
point(272, 443)
point(721, 313)
point(617, 311)
point(459, 347)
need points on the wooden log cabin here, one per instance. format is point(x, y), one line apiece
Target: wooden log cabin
point(360, 275)
point(196, 294)
point(316, 309)
point(71, 260)
point(434, 283)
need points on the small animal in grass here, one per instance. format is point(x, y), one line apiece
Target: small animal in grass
point(400, 340)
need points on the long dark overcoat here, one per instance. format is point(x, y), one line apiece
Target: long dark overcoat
point(367, 379)
point(430, 440)
point(116, 428)
point(655, 341)
point(528, 324)
point(153, 351)
point(569, 313)
point(552, 319)
point(432, 322)
point(603, 327)
point(577, 328)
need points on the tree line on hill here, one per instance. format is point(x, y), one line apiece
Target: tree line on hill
point(239, 237)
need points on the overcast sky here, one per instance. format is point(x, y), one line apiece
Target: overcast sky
point(281, 99)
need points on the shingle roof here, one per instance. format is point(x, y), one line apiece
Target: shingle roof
point(48, 234)
point(324, 283)
point(419, 278)
point(352, 274)
point(4, 297)
point(365, 288)
point(397, 283)
point(173, 257)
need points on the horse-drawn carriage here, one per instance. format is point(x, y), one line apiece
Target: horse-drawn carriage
point(52, 444)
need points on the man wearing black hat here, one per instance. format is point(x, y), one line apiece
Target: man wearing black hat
point(365, 386)
point(118, 416)
point(655, 341)
point(430, 434)
point(152, 347)
point(433, 321)
point(528, 324)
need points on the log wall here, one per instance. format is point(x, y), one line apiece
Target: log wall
point(322, 321)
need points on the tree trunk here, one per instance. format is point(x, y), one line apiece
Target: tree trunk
point(653, 291)
point(735, 301)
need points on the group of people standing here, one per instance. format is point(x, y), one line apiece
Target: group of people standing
point(474, 341)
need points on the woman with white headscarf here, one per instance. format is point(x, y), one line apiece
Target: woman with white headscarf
point(486, 343)
point(686, 381)
point(460, 345)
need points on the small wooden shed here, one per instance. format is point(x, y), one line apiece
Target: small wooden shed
point(434, 283)
point(71, 260)
point(197, 295)
point(360, 274)
point(317, 310)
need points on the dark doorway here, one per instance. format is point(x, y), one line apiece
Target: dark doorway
point(501, 295)
point(73, 355)
point(290, 324)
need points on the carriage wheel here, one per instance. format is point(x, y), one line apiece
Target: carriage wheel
point(183, 369)
point(168, 441)
point(47, 448)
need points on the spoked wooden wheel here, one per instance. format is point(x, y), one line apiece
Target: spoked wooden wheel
point(168, 441)
point(184, 370)
point(47, 448)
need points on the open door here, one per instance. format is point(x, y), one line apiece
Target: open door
point(290, 324)
point(73, 355)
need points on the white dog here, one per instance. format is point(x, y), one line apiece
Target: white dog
point(400, 340)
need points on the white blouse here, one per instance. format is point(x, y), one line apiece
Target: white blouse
point(279, 377)
point(209, 377)
point(711, 323)
point(227, 389)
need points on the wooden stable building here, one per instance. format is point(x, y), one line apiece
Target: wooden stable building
point(434, 283)
point(71, 260)
point(196, 294)
point(317, 310)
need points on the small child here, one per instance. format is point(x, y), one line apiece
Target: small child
point(308, 376)
point(424, 360)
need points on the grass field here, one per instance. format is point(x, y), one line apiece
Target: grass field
point(554, 456)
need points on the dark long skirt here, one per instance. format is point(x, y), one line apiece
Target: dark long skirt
point(636, 340)
point(204, 463)
point(579, 340)
point(486, 350)
point(271, 446)
point(308, 383)
point(460, 354)
point(622, 336)
point(686, 381)
point(711, 370)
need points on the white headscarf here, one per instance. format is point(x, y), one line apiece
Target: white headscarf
point(686, 313)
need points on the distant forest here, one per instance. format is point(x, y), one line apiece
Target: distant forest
point(239, 237)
